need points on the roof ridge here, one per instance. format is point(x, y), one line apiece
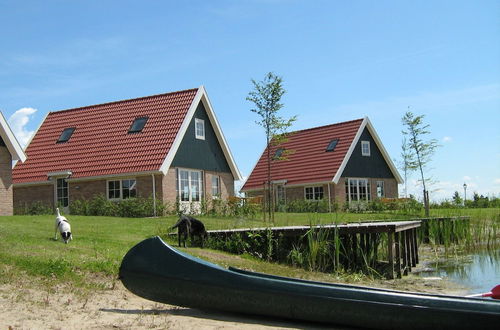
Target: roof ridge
point(126, 100)
point(323, 126)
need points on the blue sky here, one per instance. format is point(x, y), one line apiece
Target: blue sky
point(340, 60)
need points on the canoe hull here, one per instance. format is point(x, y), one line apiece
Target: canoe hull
point(155, 271)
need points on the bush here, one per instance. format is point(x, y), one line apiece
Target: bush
point(35, 208)
point(129, 208)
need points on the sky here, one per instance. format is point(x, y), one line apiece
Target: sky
point(339, 60)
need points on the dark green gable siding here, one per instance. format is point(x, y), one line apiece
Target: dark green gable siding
point(373, 166)
point(201, 154)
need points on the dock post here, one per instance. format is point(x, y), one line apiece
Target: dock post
point(390, 247)
point(397, 245)
point(404, 252)
point(415, 245)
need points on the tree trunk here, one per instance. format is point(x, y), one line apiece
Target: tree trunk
point(426, 203)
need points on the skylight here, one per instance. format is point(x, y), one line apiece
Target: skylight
point(138, 124)
point(66, 135)
point(278, 153)
point(332, 145)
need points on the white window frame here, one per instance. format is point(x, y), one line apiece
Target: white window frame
point(62, 192)
point(199, 184)
point(120, 188)
point(315, 192)
point(199, 128)
point(216, 191)
point(381, 191)
point(365, 148)
point(357, 183)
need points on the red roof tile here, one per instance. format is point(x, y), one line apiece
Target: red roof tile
point(100, 144)
point(309, 162)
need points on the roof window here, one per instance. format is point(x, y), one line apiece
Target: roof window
point(278, 153)
point(138, 125)
point(66, 135)
point(332, 145)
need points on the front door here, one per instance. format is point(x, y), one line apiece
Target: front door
point(62, 196)
point(190, 191)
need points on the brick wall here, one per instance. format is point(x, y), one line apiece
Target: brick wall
point(26, 195)
point(337, 191)
point(6, 201)
point(85, 190)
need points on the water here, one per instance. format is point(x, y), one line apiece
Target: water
point(480, 272)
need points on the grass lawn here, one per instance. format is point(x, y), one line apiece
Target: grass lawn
point(27, 248)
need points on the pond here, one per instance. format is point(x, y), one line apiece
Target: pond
point(480, 272)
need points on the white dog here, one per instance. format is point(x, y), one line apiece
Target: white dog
point(63, 227)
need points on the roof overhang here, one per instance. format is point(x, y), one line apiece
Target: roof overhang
point(59, 174)
point(15, 149)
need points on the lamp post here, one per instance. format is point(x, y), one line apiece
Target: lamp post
point(465, 193)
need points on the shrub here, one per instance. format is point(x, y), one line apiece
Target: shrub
point(130, 208)
point(35, 208)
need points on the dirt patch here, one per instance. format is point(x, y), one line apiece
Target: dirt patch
point(114, 308)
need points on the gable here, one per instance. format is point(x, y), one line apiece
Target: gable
point(201, 154)
point(373, 166)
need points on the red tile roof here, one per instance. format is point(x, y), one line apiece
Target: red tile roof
point(100, 144)
point(309, 162)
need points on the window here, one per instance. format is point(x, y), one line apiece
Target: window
point(65, 135)
point(62, 193)
point(278, 153)
point(128, 189)
point(199, 128)
point(190, 184)
point(380, 189)
point(114, 189)
point(215, 186)
point(365, 148)
point(314, 193)
point(357, 190)
point(138, 125)
point(332, 145)
point(122, 189)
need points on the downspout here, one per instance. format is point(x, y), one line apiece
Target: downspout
point(154, 195)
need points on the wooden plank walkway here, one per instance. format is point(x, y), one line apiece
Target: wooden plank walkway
point(402, 249)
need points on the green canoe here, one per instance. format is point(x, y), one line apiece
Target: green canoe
point(155, 271)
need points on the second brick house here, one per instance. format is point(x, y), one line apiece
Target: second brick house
point(170, 146)
point(344, 163)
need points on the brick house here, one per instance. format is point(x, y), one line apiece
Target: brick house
point(10, 151)
point(344, 162)
point(170, 146)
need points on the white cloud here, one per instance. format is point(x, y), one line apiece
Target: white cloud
point(496, 181)
point(18, 121)
point(447, 139)
point(467, 178)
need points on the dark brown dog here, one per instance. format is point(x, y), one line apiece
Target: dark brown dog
point(190, 227)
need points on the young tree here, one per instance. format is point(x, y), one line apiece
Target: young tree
point(266, 96)
point(422, 150)
point(457, 200)
point(407, 165)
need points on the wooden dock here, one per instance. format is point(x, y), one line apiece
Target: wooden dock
point(402, 249)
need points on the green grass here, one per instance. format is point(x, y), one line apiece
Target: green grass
point(27, 248)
